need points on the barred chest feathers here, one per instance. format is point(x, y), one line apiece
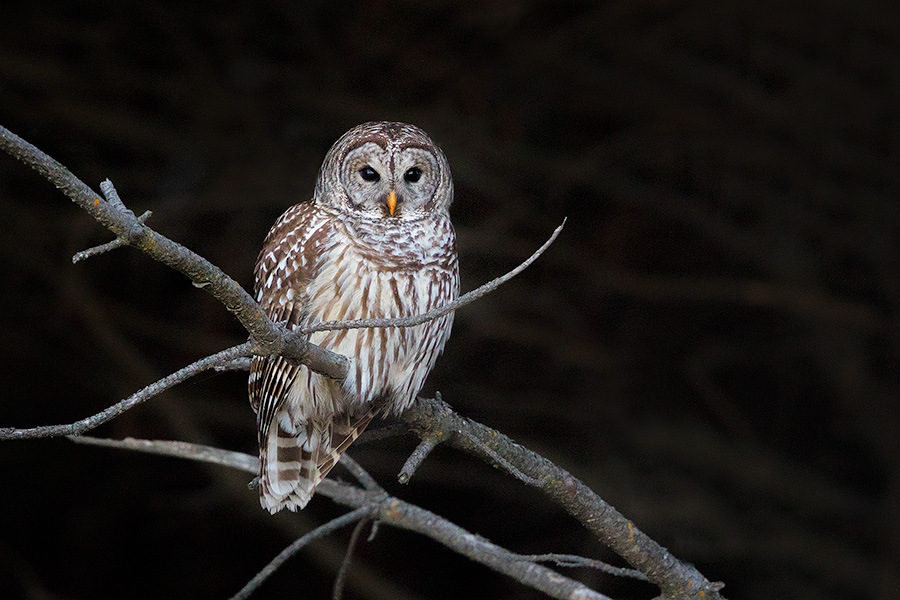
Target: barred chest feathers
point(369, 271)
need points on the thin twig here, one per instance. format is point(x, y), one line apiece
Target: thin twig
point(361, 475)
point(86, 424)
point(442, 310)
point(338, 591)
point(572, 560)
point(416, 458)
point(116, 243)
point(374, 531)
point(295, 547)
point(382, 433)
point(392, 511)
point(599, 517)
point(493, 455)
point(198, 452)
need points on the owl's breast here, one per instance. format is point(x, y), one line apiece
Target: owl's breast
point(408, 245)
point(405, 278)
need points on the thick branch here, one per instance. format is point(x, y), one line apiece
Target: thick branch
point(435, 419)
point(270, 338)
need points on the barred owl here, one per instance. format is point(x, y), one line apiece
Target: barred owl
point(375, 241)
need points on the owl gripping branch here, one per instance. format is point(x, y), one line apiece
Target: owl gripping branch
point(270, 339)
point(267, 338)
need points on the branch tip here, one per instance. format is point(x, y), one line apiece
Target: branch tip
point(111, 195)
point(417, 458)
point(440, 311)
point(116, 243)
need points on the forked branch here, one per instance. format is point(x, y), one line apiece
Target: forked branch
point(433, 419)
point(380, 506)
point(267, 338)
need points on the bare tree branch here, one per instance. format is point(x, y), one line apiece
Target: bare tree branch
point(101, 249)
point(361, 475)
point(296, 546)
point(571, 560)
point(198, 452)
point(413, 518)
point(674, 578)
point(88, 423)
point(417, 458)
point(338, 591)
point(238, 364)
point(433, 419)
point(269, 338)
point(384, 508)
point(440, 311)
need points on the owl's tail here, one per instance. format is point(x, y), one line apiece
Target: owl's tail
point(294, 460)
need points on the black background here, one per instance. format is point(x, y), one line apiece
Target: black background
point(712, 344)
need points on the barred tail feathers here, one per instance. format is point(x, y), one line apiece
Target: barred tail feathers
point(294, 460)
point(287, 472)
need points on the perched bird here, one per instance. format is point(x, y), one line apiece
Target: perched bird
point(375, 241)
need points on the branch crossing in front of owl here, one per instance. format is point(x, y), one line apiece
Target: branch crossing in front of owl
point(374, 242)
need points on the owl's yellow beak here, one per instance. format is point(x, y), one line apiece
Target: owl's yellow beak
point(392, 202)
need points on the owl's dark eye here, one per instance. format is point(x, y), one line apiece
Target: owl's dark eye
point(413, 175)
point(369, 174)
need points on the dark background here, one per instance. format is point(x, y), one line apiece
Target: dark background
point(712, 345)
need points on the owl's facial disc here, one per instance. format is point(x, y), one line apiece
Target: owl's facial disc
point(390, 183)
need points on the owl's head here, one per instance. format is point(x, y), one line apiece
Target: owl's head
point(384, 170)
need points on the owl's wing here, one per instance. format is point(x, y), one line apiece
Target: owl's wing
point(343, 429)
point(286, 265)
